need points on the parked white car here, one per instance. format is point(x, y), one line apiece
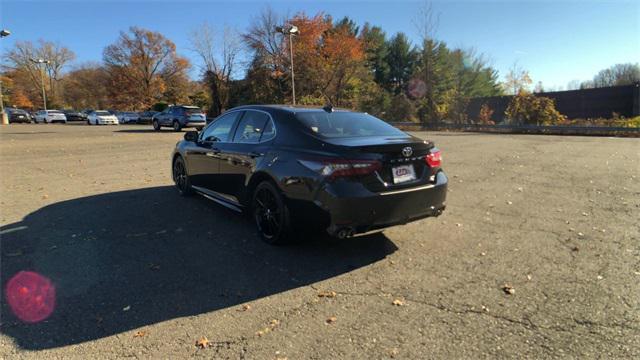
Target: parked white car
point(50, 116)
point(101, 117)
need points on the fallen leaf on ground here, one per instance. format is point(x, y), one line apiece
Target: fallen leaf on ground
point(245, 307)
point(398, 302)
point(203, 342)
point(331, 320)
point(509, 203)
point(139, 334)
point(327, 294)
point(508, 289)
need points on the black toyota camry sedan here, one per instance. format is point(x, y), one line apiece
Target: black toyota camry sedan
point(293, 168)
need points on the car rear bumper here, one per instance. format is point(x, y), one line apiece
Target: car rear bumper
point(107, 122)
point(17, 119)
point(195, 124)
point(369, 211)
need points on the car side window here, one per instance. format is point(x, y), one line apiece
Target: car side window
point(269, 131)
point(220, 129)
point(251, 127)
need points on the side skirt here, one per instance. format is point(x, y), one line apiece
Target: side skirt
point(219, 198)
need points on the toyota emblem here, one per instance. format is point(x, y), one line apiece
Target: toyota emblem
point(408, 151)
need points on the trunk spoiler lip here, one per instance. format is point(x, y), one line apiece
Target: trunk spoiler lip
point(373, 141)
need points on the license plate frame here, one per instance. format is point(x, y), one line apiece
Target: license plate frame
point(403, 173)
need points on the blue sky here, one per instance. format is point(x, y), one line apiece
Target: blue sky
point(557, 41)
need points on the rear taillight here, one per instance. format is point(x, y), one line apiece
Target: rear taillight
point(434, 158)
point(336, 168)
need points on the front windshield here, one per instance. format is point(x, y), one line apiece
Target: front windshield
point(346, 124)
point(102, 113)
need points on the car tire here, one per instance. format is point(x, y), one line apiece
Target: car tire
point(180, 177)
point(176, 125)
point(156, 125)
point(88, 122)
point(271, 214)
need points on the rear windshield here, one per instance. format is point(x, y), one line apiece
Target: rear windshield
point(55, 112)
point(102, 113)
point(192, 110)
point(346, 124)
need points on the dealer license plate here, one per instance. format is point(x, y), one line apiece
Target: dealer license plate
point(403, 173)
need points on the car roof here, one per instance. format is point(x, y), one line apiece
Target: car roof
point(287, 108)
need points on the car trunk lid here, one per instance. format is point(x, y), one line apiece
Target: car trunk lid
point(402, 160)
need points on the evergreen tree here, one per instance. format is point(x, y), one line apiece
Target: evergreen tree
point(401, 60)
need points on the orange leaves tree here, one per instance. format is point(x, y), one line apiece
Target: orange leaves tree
point(328, 57)
point(143, 67)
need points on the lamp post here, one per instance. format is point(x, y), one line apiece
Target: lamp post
point(5, 118)
point(44, 94)
point(290, 30)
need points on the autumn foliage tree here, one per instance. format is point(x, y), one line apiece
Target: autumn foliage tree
point(143, 66)
point(85, 87)
point(528, 109)
point(28, 76)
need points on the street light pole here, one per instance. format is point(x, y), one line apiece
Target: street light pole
point(41, 63)
point(3, 114)
point(293, 77)
point(291, 30)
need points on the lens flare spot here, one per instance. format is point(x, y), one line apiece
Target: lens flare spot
point(417, 88)
point(31, 296)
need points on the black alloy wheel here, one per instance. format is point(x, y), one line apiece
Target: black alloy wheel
point(180, 177)
point(156, 125)
point(271, 214)
point(176, 125)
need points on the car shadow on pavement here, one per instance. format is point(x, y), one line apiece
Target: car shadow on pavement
point(128, 259)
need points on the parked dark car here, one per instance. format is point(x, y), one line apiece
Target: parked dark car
point(17, 115)
point(146, 117)
point(73, 115)
point(178, 117)
point(299, 168)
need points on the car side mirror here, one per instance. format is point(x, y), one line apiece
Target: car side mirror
point(191, 136)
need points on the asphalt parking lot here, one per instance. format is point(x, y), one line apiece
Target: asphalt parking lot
point(141, 272)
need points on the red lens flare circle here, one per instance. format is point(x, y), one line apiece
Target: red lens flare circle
point(31, 296)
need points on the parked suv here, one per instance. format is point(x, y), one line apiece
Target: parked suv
point(179, 117)
point(146, 117)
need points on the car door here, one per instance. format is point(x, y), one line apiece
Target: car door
point(203, 160)
point(162, 117)
point(238, 159)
